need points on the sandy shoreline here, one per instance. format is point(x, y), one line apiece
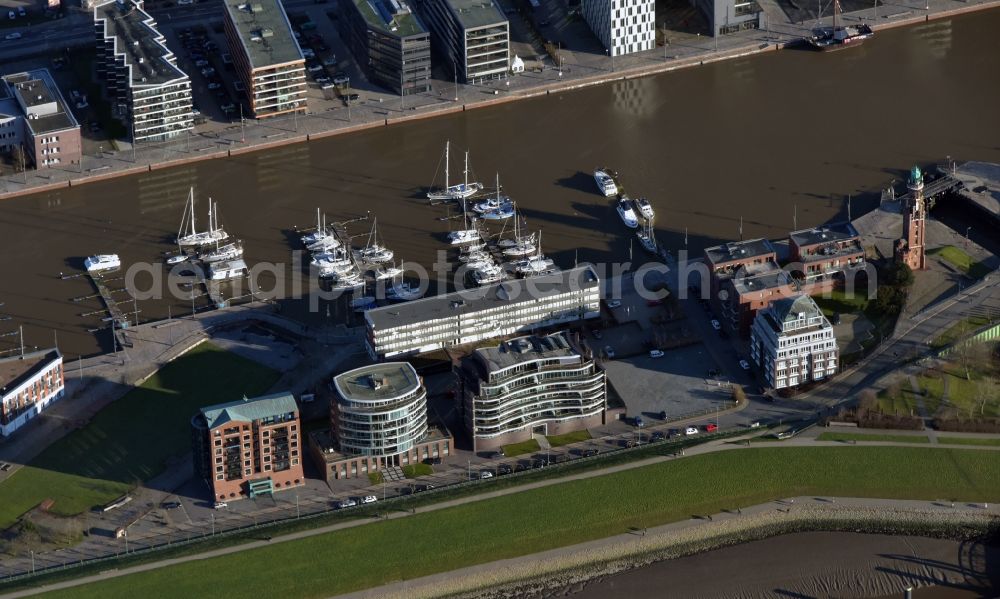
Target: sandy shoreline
point(560, 572)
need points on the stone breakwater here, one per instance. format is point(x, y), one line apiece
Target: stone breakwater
point(572, 567)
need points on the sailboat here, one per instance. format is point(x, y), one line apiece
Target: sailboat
point(460, 191)
point(403, 292)
point(839, 37)
point(189, 235)
point(488, 274)
point(375, 253)
point(646, 237)
point(332, 264)
point(465, 235)
point(322, 238)
point(498, 208)
point(535, 265)
point(645, 208)
point(230, 251)
point(387, 272)
point(521, 246)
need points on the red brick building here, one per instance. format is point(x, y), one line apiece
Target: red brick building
point(752, 289)
point(248, 447)
point(910, 249)
point(825, 253)
point(34, 117)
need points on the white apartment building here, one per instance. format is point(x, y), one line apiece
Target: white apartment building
point(483, 313)
point(28, 384)
point(793, 343)
point(151, 94)
point(623, 26)
point(531, 385)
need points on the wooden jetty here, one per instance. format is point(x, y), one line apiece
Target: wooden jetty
point(115, 313)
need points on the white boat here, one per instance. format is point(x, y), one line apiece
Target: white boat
point(221, 271)
point(477, 256)
point(627, 213)
point(349, 282)
point(498, 208)
point(471, 248)
point(403, 291)
point(324, 244)
point(645, 208)
point(374, 252)
point(605, 183)
point(177, 258)
point(331, 264)
point(384, 273)
point(188, 234)
point(102, 262)
point(460, 191)
point(464, 236)
point(488, 275)
point(230, 251)
point(535, 265)
point(322, 236)
point(519, 246)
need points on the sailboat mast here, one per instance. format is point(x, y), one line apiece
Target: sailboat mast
point(467, 171)
point(447, 154)
point(191, 201)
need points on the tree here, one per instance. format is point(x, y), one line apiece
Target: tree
point(867, 401)
point(900, 275)
point(889, 300)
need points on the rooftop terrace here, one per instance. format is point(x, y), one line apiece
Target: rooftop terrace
point(738, 250)
point(264, 31)
point(38, 92)
point(377, 381)
point(136, 37)
point(526, 349)
point(392, 17)
point(760, 278)
point(825, 234)
point(473, 14)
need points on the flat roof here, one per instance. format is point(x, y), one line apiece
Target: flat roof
point(392, 17)
point(264, 31)
point(825, 234)
point(377, 381)
point(249, 410)
point(39, 82)
point(788, 309)
point(482, 298)
point(15, 370)
point(136, 37)
point(473, 14)
point(526, 349)
point(767, 276)
point(738, 250)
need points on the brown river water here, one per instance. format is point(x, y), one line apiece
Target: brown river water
point(775, 139)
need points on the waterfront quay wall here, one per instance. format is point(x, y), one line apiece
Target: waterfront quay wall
point(54, 179)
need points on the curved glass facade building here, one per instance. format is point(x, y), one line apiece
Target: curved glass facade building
point(380, 410)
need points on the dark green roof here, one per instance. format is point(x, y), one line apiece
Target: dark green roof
point(249, 410)
point(405, 22)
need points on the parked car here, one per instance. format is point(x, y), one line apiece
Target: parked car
point(324, 81)
point(307, 53)
point(711, 427)
point(343, 503)
point(614, 303)
point(21, 12)
point(227, 59)
point(691, 431)
point(314, 68)
point(504, 469)
point(329, 61)
point(432, 461)
point(744, 365)
point(184, 2)
point(208, 71)
point(228, 107)
point(220, 504)
point(11, 15)
point(485, 474)
point(755, 424)
point(200, 63)
point(352, 97)
point(716, 325)
point(171, 505)
point(341, 78)
point(589, 453)
point(369, 499)
point(609, 351)
point(214, 85)
point(12, 36)
point(655, 353)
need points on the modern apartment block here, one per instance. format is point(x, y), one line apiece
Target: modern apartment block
point(34, 117)
point(28, 384)
point(471, 36)
point(267, 57)
point(248, 447)
point(378, 419)
point(730, 16)
point(623, 26)
point(825, 253)
point(390, 42)
point(727, 260)
point(486, 312)
point(543, 385)
point(149, 92)
point(793, 343)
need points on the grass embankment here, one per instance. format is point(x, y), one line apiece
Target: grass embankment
point(961, 261)
point(516, 449)
point(900, 398)
point(840, 302)
point(569, 438)
point(960, 329)
point(570, 513)
point(873, 438)
point(981, 441)
point(131, 439)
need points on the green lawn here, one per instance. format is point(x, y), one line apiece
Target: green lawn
point(516, 449)
point(873, 437)
point(569, 513)
point(418, 469)
point(958, 330)
point(840, 302)
point(375, 478)
point(131, 439)
point(961, 260)
point(574, 437)
point(994, 441)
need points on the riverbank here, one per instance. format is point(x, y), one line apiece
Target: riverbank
point(552, 572)
point(276, 133)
